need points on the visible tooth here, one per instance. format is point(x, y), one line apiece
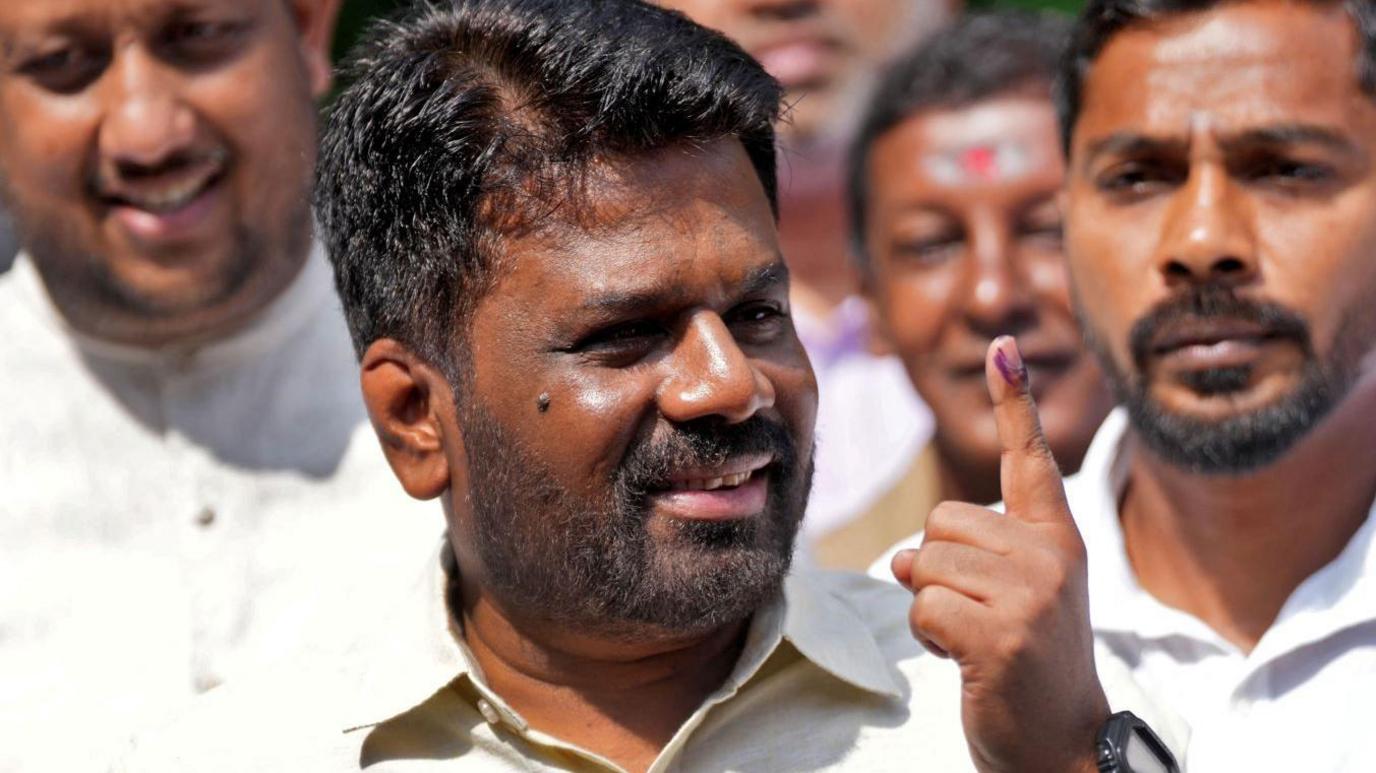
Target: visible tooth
point(712, 484)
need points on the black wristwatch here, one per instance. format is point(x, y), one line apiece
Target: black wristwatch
point(1126, 744)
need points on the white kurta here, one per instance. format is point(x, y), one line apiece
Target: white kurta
point(170, 520)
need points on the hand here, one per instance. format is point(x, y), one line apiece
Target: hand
point(1006, 596)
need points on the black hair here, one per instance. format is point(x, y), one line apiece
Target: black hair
point(979, 57)
point(469, 119)
point(1102, 19)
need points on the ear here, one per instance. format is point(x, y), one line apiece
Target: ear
point(407, 400)
point(315, 26)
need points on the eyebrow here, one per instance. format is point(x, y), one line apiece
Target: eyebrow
point(1293, 134)
point(1133, 144)
point(620, 303)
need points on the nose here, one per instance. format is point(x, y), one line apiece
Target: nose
point(996, 297)
point(709, 375)
point(1207, 237)
point(146, 122)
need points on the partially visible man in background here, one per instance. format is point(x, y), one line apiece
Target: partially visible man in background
point(1221, 240)
point(828, 54)
point(179, 403)
point(953, 186)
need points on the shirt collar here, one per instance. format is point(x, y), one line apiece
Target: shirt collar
point(279, 321)
point(1336, 597)
point(421, 651)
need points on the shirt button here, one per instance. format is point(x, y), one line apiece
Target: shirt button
point(206, 517)
point(489, 712)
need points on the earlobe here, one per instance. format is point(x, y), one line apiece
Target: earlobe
point(315, 24)
point(406, 399)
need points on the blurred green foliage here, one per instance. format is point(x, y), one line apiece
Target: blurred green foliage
point(357, 12)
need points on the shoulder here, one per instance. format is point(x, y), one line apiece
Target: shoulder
point(284, 718)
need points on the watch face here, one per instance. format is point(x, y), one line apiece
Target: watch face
point(1140, 755)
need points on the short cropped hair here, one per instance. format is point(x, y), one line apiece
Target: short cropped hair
point(1102, 19)
point(469, 119)
point(980, 57)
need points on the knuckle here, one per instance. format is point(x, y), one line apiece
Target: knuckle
point(942, 518)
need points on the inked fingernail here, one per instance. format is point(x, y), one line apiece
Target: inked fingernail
point(1008, 360)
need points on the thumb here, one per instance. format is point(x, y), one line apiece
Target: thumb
point(1028, 475)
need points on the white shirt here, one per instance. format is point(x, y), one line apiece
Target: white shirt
point(871, 424)
point(169, 519)
point(1303, 699)
point(829, 678)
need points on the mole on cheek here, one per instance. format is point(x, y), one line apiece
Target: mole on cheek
point(542, 402)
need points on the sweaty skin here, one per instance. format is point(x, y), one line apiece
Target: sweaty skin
point(1234, 148)
point(668, 305)
point(962, 255)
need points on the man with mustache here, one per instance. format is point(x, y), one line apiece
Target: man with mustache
point(828, 54)
point(1221, 235)
point(180, 418)
point(553, 226)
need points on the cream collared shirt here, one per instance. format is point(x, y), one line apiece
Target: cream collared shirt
point(829, 679)
point(1303, 699)
point(167, 518)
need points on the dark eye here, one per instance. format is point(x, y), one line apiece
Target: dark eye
point(66, 70)
point(1140, 178)
point(621, 344)
point(758, 322)
point(1288, 172)
point(930, 251)
point(204, 42)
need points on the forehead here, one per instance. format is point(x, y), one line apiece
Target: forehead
point(1237, 66)
point(987, 144)
point(690, 221)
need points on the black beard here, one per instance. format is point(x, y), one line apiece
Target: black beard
point(1245, 442)
point(596, 566)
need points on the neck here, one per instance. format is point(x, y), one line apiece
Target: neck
point(813, 225)
point(621, 698)
point(1231, 550)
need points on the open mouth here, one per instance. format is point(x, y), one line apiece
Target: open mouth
point(1205, 334)
point(737, 489)
point(163, 202)
point(712, 484)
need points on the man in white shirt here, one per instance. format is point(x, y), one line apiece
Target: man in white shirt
point(1221, 234)
point(554, 229)
point(182, 438)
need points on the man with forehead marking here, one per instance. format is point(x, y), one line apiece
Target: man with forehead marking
point(554, 229)
point(182, 438)
point(1221, 236)
point(957, 231)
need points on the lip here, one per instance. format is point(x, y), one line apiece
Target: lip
point(720, 504)
point(799, 61)
point(172, 225)
point(1204, 345)
point(1198, 333)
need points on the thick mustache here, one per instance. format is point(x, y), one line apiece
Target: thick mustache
point(704, 443)
point(1211, 303)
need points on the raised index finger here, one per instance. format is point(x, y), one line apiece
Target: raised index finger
point(1030, 479)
